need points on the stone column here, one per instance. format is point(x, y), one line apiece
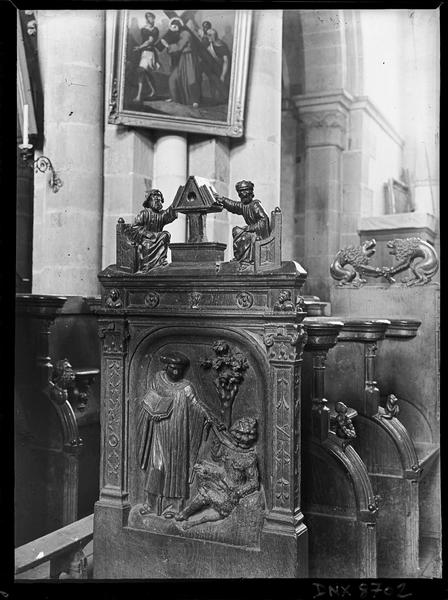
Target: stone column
point(325, 123)
point(258, 158)
point(421, 107)
point(290, 226)
point(67, 224)
point(128, 162)
point(170, 171)
point(209, 158)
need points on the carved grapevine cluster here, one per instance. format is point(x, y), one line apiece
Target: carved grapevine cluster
point(230, 368)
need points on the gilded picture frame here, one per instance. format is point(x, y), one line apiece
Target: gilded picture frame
point(181, 70)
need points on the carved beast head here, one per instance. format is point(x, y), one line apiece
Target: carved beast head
point(369, 247)
point(358, 255)
point(244, 431)
point(402, 248)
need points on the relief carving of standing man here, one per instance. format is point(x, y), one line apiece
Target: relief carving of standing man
point(170, 430)
point(147, 232)
point(257, 222)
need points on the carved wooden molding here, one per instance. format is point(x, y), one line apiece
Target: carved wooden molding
point(403, 442)
point(366, 501)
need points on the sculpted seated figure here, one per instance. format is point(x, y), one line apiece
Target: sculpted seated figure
point(257, 222)
point(231, 476)
point(147, 232)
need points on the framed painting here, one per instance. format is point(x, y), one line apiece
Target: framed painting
point(181, 70)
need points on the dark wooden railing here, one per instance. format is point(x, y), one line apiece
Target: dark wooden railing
point(63, 549)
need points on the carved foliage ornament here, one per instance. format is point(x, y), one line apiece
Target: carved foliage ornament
point(285, 343)
point(282, 437)
point(332, 118)
point(230, 366)
point(114, 337)
point(113, 420)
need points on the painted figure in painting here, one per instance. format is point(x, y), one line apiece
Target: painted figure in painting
point(170, 429)
point(147, 232)
point(185, 79)
point(206, 25)
point(231, 476)
point(219, 70)
point(257, 222)
point(149, 57)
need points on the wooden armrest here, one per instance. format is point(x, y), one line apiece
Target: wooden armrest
point(62, 541)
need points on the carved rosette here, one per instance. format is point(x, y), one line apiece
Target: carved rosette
point(152, 299)
point(245, 300)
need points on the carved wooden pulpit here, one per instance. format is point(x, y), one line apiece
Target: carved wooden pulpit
point(201, 370)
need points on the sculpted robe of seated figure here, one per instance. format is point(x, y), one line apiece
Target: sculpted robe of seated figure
point(147, 232)
point(257, 222)
point(170, 431)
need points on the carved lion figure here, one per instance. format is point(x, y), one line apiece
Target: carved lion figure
point(352, 262)
point(407, 252)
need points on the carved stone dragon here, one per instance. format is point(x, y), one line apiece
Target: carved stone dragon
point(407, 252)
point(351, 263)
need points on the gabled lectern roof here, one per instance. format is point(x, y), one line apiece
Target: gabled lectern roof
point(196, 196)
